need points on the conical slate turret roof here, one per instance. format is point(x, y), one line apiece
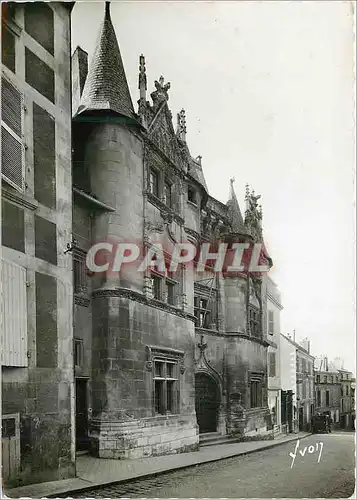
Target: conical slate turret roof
point(106, 87)
point(234, 214)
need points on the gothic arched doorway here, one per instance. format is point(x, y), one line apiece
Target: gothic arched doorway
point(207, 402)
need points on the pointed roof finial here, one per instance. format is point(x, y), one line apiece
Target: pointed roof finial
point(107, 10)
point(142, 77)
point(181, 125)
point(234, 213)
point(161, 92)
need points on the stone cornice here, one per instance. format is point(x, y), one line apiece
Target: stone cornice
point(248, 337)
point(207, 331)
point(139, 297)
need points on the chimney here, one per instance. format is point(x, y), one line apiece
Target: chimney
point(79, 75)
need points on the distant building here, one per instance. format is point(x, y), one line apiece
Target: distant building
point(289, 421)
point(347, 401)
point(304, 383)
point(327, 390)
point(274, 365)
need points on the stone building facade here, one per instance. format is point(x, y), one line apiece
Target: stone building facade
point(161, 356)
point(327, 391)
point(289, 421)
point(36, 219)
point(304, 391)
point(274, 353)
point(335, 393)
point(347, 399)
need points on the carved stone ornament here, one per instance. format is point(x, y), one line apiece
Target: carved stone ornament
point(154, 227)
point(167, 353)
point(203, 364)
point(161, 92)
point(253, 214)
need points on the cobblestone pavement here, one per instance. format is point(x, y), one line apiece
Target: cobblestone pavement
point(265, 474)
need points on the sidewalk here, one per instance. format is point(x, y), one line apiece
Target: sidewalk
point(94, 472)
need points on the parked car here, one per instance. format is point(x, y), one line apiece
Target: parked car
point(321, 424)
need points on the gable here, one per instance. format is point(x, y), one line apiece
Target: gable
point(162, 134)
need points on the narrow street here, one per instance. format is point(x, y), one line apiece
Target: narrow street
point(265, 474)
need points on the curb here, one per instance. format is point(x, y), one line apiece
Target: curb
point(171, 469)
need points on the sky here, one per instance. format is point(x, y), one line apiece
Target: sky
point(268, 92)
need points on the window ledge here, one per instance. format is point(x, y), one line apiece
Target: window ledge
point(208, 330)
point(192, 204)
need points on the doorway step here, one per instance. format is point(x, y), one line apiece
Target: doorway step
point(214, 438)
point(79, 453)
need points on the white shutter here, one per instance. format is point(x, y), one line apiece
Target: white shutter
point(12, 149)
point(14, 314)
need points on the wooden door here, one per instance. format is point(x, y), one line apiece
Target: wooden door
point(207, 402)
point(81, 415)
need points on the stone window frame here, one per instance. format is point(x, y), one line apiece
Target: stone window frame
point(327, 398)
point(318, 398)
point(164, 281)
point(154, 182)
point(256, 387)
point(204, 292)
point(270, 322)
point(167, 192)
point(193, 197)
point(166, 356)
point(156, 190)
point(78, 344)
point(80, 285)
point(254, 321)
point(272, 356)
point(303, 389)
point(303, 367)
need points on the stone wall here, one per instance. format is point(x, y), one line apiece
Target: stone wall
point(145, 437)
point(42, 393)
point(122, 380)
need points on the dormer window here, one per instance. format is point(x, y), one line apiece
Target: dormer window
point(192, 195)
point(154, 182)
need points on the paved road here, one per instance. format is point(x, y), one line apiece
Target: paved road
point(265, 474)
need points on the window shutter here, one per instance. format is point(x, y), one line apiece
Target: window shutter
point(272, 364)
point(271, 322)
point(12, 151)
point(14, 313)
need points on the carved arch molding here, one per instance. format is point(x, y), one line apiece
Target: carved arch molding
point(202, 365)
